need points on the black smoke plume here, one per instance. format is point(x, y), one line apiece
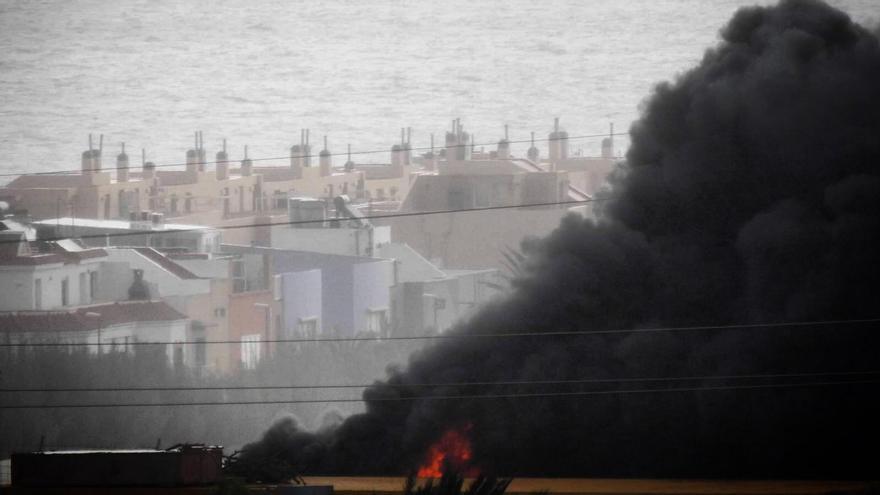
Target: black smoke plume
point(751, 194)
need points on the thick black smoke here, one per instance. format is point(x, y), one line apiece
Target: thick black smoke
point(751, 193)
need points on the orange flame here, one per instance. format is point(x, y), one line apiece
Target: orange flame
point(453, 449)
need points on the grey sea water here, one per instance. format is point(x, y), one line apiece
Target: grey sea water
point(149, 72)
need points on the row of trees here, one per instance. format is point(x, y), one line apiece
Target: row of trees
point(56, 377)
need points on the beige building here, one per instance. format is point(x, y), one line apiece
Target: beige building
point(464, 179)
point(228, 195)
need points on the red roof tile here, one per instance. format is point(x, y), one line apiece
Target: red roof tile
point(78, 320)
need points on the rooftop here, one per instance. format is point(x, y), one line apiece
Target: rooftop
point(94, 223)
point(79, 319)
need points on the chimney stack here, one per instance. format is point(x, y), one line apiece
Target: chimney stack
point(122, 166)
point(397, 160)
point(192, 156)
point(533, 153)
point(203, 154)
point(306, 151)
point(349, 165)
point(325, 160)
point(504, 146)
point(296, 161)
point(558, 143)
point(222, 165)
point(407, 157)
point(246, 164)
point(148, 169)
point(91, 158)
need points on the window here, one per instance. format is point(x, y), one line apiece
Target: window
point(250, 351)
point(276, 288)
point(178, 355)
point(201, 353)
point(38, 294)
point(220, 312)
point(307, 327)
point(239, 281)
point(83, 290)
point(93, 285)
point(376, 321)
point(65, 295)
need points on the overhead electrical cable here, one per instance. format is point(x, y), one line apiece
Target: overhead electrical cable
point(448, 384)
point(455, 336)
point(570, 395)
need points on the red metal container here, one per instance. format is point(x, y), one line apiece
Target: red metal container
point(185, 465)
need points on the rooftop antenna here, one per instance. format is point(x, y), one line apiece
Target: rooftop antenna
point(143, 157)
point(432, 143)
point(101, 144)
point(307, 137)
point(611, 134)
point(505, 132)
point(245, 152)
point(408, 135)
point(123, 147)
point(556, 124)
point(349, 151)
point(90, 141)
point(533, 139)
point(402, 141)
point(224, 145)
point(325, 141)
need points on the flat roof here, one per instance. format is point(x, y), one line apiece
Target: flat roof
point(119, 224)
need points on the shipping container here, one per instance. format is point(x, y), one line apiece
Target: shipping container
point(186, 465)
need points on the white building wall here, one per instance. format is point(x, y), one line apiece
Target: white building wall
point(371, 293)
point(17, 285)
point(301, 300)
point(344, 241)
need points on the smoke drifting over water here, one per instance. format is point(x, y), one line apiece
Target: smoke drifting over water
point(751, 194)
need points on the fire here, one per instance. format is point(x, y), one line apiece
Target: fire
point(453, 449)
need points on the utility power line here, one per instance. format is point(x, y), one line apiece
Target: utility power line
point(305, 222)
point(454, 336)
point(450, 384)
point(360, 152)
point(536, 395)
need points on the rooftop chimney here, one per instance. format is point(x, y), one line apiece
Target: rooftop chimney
point(533, 153)
point(148, 169)
point(222, 165)
point(306, 151)
point(558, 143)
point(122, 166)
point(504, 146)
point(203, 156)
point(349, 165)
point(325, 160)
point(246, 164)
point(91, 158)
point(192, 156)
